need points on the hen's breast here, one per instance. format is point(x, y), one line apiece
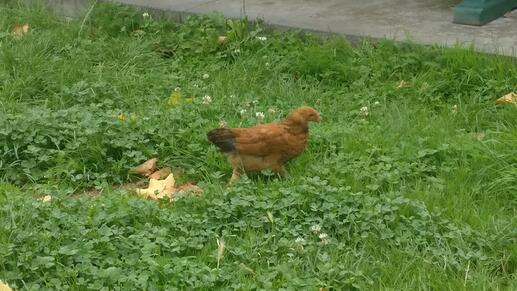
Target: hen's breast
point(294, 147)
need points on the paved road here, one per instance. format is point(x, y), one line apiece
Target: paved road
point(423, 21)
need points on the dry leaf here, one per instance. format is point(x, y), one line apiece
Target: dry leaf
point(160, 174)
point(174, 99)
point(222, 39)
point(158, 188)
point(189, 188)
point(146, 168)
point(247, 268)
point(477, 135)
point(178, 172)
point(270, 216)
point(165, 51)
point(4, 286)
point(220, 250)
point(45, 199)
point(21, 29)
point(510, 98)
point(403, 84)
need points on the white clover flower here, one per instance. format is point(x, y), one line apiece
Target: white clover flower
point(222, 123)
point(260, 115)
point(206, 76)
point(364, 111)
point(267, 64)
point(377, 103)
point(324, 238)
point(300, 241)
point(243, 111)
point(237, 51)
point(316, 228)
point(207, 100)
point(145, 15)
point(262, 38)
point(455, 109)
point(177, 89)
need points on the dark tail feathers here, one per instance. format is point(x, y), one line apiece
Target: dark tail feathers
point(223, 138)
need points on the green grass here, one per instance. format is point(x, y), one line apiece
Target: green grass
point(409, 199)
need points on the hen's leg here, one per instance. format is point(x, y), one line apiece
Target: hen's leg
point(280, 170)
point(236, 174)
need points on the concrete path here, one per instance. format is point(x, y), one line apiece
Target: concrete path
point(423, 21)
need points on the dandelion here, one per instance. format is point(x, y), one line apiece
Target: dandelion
point(243, 111)
point(207, 100)
point(145, 15)
point(364, 111)
point(260, 115)
point(222, 123)
point(316, 228)
point(206, 76)
point(262, 38)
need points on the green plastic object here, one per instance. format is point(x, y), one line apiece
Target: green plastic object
point(479, 12)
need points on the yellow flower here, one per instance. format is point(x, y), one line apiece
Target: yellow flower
point(121, 117)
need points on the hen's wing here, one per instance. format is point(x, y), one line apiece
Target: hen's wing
point(261, 140)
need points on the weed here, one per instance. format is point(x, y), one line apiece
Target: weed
point(404, 187)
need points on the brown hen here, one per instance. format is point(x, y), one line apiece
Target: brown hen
point(265, 146)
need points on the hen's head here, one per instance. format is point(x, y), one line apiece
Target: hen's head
point(304, 114)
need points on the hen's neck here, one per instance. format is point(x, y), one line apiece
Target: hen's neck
point(296, 126)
